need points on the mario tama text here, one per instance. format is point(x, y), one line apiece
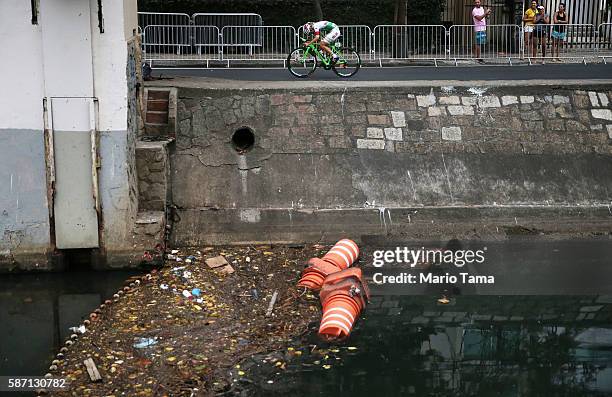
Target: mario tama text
point(430, 278)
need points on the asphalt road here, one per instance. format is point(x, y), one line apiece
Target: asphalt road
point(407, 73)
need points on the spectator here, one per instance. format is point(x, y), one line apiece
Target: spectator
point(542, 21)
point(479, 15)
point(558, 32)
point(529, 24)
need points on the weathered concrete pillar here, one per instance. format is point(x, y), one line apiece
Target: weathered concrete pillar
point(24, 215)
point(68, 125)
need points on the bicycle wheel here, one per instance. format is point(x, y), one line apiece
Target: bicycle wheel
point(348, 64)
point(301, 64)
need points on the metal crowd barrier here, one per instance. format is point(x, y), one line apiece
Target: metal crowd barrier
point(202, 19)
point(263, 43)
point(221, 20)
point(500, 42)
point(162, 18)
point(577, 41)
point(410, 42)
point(188, 43)
point(604, 43)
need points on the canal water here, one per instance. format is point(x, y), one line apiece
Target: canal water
point(474, 346)
point(37, 311)
point(482, 343)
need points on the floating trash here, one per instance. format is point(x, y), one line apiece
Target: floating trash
point(141, 343)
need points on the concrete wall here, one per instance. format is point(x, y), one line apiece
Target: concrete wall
point(64, 55)
point(24, 216)
point(367, 161)
point(116, 65)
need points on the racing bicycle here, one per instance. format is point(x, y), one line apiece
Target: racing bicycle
point(303, 61)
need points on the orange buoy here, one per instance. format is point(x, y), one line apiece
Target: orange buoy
point(342, 255)
point(313, 275)
point(343, 296)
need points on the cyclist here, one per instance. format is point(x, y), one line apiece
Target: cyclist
point(331, 33)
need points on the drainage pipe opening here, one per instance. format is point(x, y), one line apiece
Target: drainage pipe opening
point(243, 139)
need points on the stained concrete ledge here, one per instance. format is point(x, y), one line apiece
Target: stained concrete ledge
point(210, 83)
point(286, 225)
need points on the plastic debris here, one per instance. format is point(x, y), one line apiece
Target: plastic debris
point(79, 330)
point(444, 300)
point(141, 343)
point(175, 251)
point(163, 286)
point(196, 292)
point(186, 294)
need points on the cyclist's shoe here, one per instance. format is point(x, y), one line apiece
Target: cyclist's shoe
point(335, 58)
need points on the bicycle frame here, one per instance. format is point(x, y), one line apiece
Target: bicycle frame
point(321, 57)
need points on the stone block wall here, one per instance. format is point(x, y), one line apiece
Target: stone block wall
point(377, 148)
point(152, 168)
point(566, 122)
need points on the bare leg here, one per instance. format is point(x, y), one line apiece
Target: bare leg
point(326, 48)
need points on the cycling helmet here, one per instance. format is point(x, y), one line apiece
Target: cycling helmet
point(308, 28)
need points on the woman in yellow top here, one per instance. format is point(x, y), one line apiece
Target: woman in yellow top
point(528, 27)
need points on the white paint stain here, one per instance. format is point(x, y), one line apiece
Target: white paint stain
point(244, 173)
point(383, 214)
point(477, 91)
point(342, 102)
point(412, 184)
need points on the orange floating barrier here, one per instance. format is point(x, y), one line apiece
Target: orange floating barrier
point(341, 256)
point(343, 296)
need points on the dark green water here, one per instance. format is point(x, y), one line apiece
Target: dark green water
point(476, 346)
point(37, 310)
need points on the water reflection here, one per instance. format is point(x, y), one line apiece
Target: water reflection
point(37, 310)
point(480, 346)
